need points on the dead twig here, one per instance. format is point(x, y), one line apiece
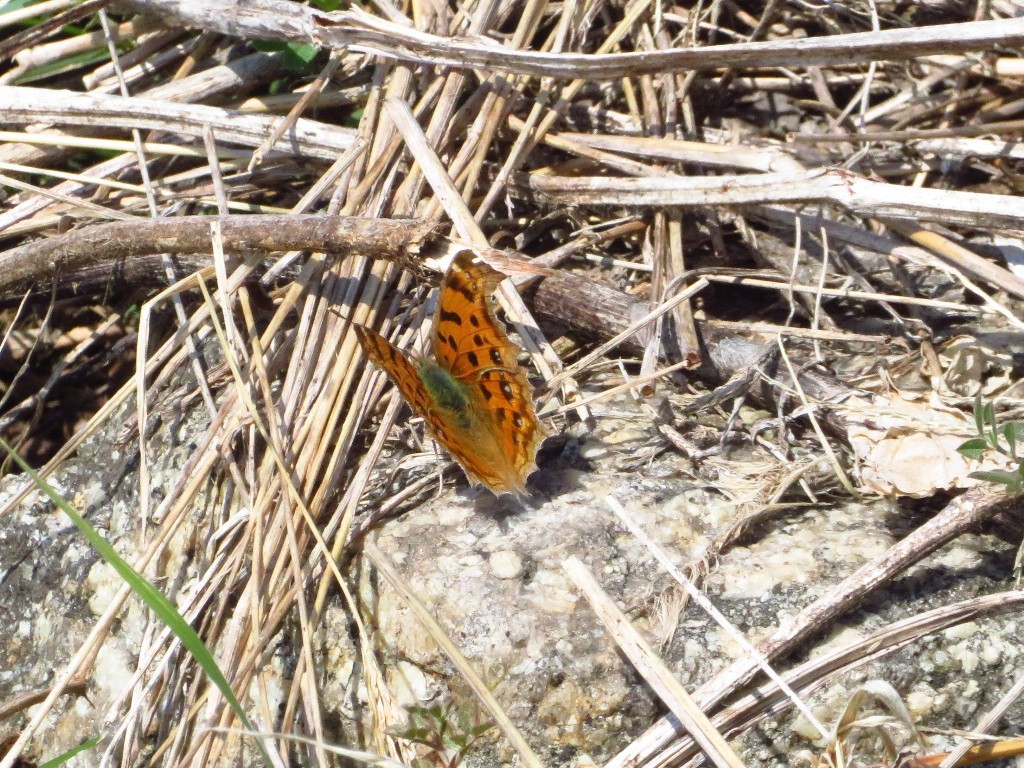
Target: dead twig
point(44, 260)
point(961, 515)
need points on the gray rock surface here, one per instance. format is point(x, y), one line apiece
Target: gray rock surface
point(53, 584)
point(561, 677)
point(489, 569)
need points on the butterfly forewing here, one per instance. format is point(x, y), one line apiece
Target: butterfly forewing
point(468, 337)
point(471, 343)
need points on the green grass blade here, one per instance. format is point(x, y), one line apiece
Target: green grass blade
point(61, 759)
point(153, 598)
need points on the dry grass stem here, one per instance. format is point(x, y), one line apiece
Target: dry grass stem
point(652, 668)
point(698, 597)
point(32, 105)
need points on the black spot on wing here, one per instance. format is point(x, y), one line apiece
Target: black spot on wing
point(486, 392)
point(474, 321)
point(473, 359)
point(450, 317)
point(496, 356)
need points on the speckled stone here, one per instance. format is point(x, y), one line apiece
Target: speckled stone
point(564, 681)
point(490, 571)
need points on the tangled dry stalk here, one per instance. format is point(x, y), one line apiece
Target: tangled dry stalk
point(833, 158)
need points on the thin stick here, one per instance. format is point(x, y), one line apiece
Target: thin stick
point(651, 667)
point(359, 31)
point(382, 563)
point(698, 597)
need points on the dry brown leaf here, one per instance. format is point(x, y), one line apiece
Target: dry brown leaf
point(972, 367)
point(906, 444)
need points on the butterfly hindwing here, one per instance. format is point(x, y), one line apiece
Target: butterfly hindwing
point(509, 398)
point(397, 366)
point(443, 424)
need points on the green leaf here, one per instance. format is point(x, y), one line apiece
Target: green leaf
point(352, 121)
point(268, 46)
point(480, 730)
point(17, 5)
point(419, 735)
point(14, 5)
point(465, 719)
point(299, 57)
point(989, 413)
point(1014, 433)
point(455, 741)
point(974, 448)
point(979, 415)
point(61, 759)
point(1012, 480)
point(326, 5)
point(66, 64)
point(153, 598)
point(296, 57)
point(418, 718)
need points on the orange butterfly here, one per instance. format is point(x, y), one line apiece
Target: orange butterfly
point(472, 394)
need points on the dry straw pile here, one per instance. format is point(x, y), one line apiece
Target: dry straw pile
point(223, 188)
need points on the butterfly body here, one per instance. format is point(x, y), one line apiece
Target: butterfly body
point(471, 392)
point(447, 394)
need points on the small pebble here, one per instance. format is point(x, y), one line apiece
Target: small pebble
point(593, 449)
point(506, 564)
